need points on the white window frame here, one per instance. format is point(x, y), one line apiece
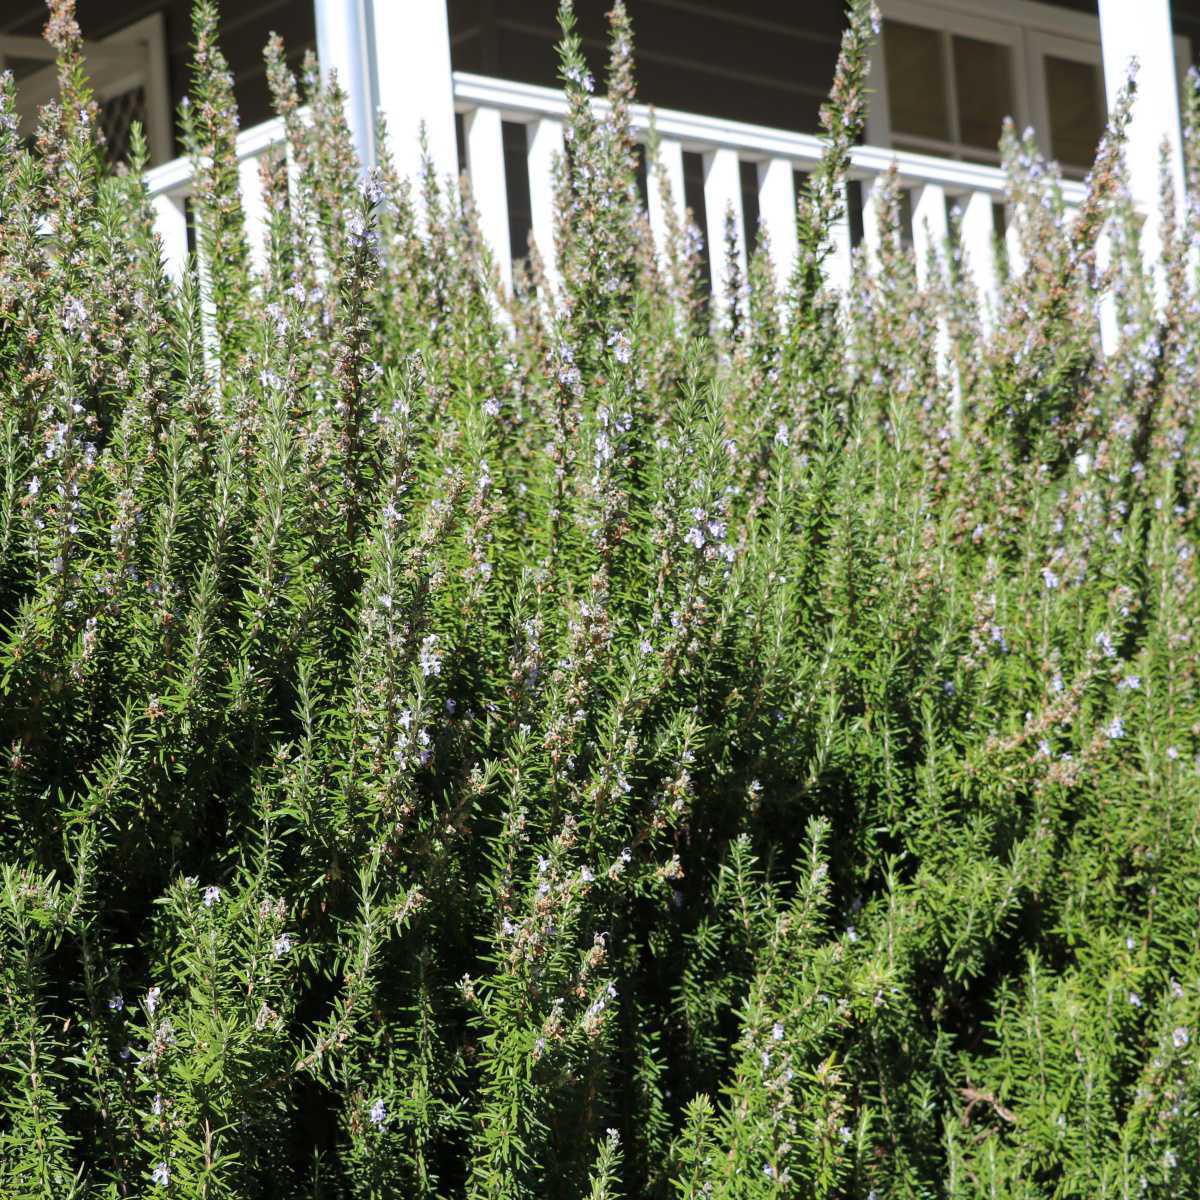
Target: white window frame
point(1033, 31)
point(133, 57)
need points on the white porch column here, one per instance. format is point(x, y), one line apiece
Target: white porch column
point(410, 57)
point(1141, 29)
point(342, 47)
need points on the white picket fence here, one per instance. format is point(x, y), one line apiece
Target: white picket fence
point(934, 184)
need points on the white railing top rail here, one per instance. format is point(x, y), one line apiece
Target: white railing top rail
point(522, 102)
point(976, 189)
point(174, 178)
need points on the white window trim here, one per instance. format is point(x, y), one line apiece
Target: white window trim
point(135, 56)
point(1032, 30)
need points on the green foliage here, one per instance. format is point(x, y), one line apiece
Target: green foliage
point(455, 743)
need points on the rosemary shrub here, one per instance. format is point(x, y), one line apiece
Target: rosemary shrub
point(556, 745)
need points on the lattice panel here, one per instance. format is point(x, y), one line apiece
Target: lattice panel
point(117, 115)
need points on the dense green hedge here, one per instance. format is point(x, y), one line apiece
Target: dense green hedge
point(464, 746)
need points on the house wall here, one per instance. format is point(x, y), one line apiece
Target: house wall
point(765, 61)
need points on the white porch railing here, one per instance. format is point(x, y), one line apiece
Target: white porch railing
point(723, 146)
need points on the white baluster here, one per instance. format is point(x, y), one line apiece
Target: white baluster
point(872, 223)
point(1012, 242)
point(930, 231)
point(669, 168)
point(977, 232)
point(170, 223)
point(777, 215)
point(544, 141)
point(722, 193)
point(254, 206)
point(1110, 332)
point(930, 228)
point(484, 138)
point(838, 262)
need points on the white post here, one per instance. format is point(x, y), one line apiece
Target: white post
point(777, 215)
point(410, 52)
point(723, 192)
point(978, 242)
point(1141, 30)
point(544, 139)
point(342, 47)
point(170, 223)
point(484, 140)
point(669, 168)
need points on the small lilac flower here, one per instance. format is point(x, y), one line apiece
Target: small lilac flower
point(1105, 644)
point(282, 945)
point(212, 895)
point(156, 1105)
point(378, 1112)
point(1172, 753)
point(1135, 1000)
point(116, 1002)
point(777, 1031)
point(152, 999)
point(430, 659)
point(781, 435)
point(491, 406)
point(161, 1174)
point(75, 316)
point(1115, 728)
point(1179, 1037)
point(622, 347)
point(1129, 683)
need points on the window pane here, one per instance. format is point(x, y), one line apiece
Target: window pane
point(916, 84)
point(983, 85)
point(1073, 91)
